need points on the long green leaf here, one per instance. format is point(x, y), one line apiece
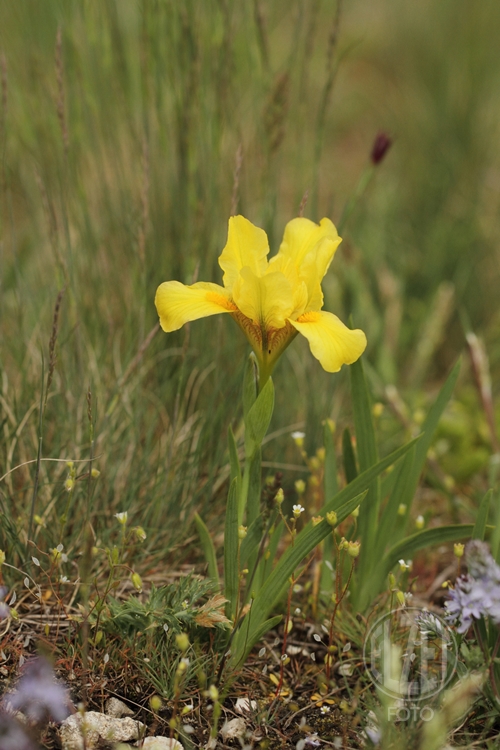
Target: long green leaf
point(366, 443)
point(495, 537)
point(331, 488)
point(349, 459)
point(330, 480)
point(343, 503)
point(231, 541)
point(250, 380)
point(242, 646)
point(259, 416)
point(363, 480)
point(366, 446)
point(422, 539)
point(412, 465)
point(273, 587)
point(404, 484)
point(254, 486)
point(482, 517)
point(250, 543)
point(207, 546)
point(234, 461)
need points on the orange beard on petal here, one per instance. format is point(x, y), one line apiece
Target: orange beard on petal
point(219, 299)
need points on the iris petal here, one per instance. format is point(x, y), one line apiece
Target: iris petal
point(330, 341)
point(267, 300)
point(302, 235)
point(246, 245)
point(177, 303)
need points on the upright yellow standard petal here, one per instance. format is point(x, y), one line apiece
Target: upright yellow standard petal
point(267, 300)
point(302, 235)
point(177, 303)
point(330, 340)
point(246, 245)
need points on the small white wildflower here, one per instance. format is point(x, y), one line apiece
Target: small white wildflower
point(297, 510)
point(298, 438)
point(325, 709)
point(63, 579)
point(122, 517)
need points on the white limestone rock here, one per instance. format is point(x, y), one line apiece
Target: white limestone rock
point(117, 708)
point(96, 727)
point(233, 729)
point(161, 743)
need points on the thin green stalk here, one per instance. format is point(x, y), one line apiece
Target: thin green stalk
point(38, 460)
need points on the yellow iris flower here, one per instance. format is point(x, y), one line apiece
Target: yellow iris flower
point(271, 300)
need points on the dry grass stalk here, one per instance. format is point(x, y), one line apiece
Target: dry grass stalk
point(52, 344)
point(236, 180)
point(3, 75)
point(303, 203)
point(61, 98)
point(143, 229)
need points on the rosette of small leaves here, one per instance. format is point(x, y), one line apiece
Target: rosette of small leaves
point(182, 607)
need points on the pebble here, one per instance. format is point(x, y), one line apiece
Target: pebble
point(97, 727)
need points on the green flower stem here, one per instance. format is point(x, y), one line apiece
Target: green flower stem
point(362, 185)
point(243, 495)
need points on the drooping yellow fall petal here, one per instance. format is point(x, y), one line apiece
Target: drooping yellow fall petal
point(330, 341)
point(302, 235)
point(266, 300)
point(246, 245)
point(177, 303)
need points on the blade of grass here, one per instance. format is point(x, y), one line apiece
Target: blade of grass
point(231, 566)
point(482, 517)
point(423, 539)
point(366, 446)
point(207, 546)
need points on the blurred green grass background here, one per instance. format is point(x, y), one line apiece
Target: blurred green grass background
point(121, 126)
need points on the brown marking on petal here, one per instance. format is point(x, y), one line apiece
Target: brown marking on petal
point(219, 299)
point(309, 317)
point(251, 331)
point(278, 337)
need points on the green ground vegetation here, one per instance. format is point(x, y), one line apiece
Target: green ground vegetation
point(129, 132)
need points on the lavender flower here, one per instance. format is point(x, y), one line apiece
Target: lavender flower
point(13, 736)
point(480, 561)
point(477, 594)
point(38, 695)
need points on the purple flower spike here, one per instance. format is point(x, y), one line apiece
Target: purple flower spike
point(38, 695)
point(381, 146)
point(477, 594)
